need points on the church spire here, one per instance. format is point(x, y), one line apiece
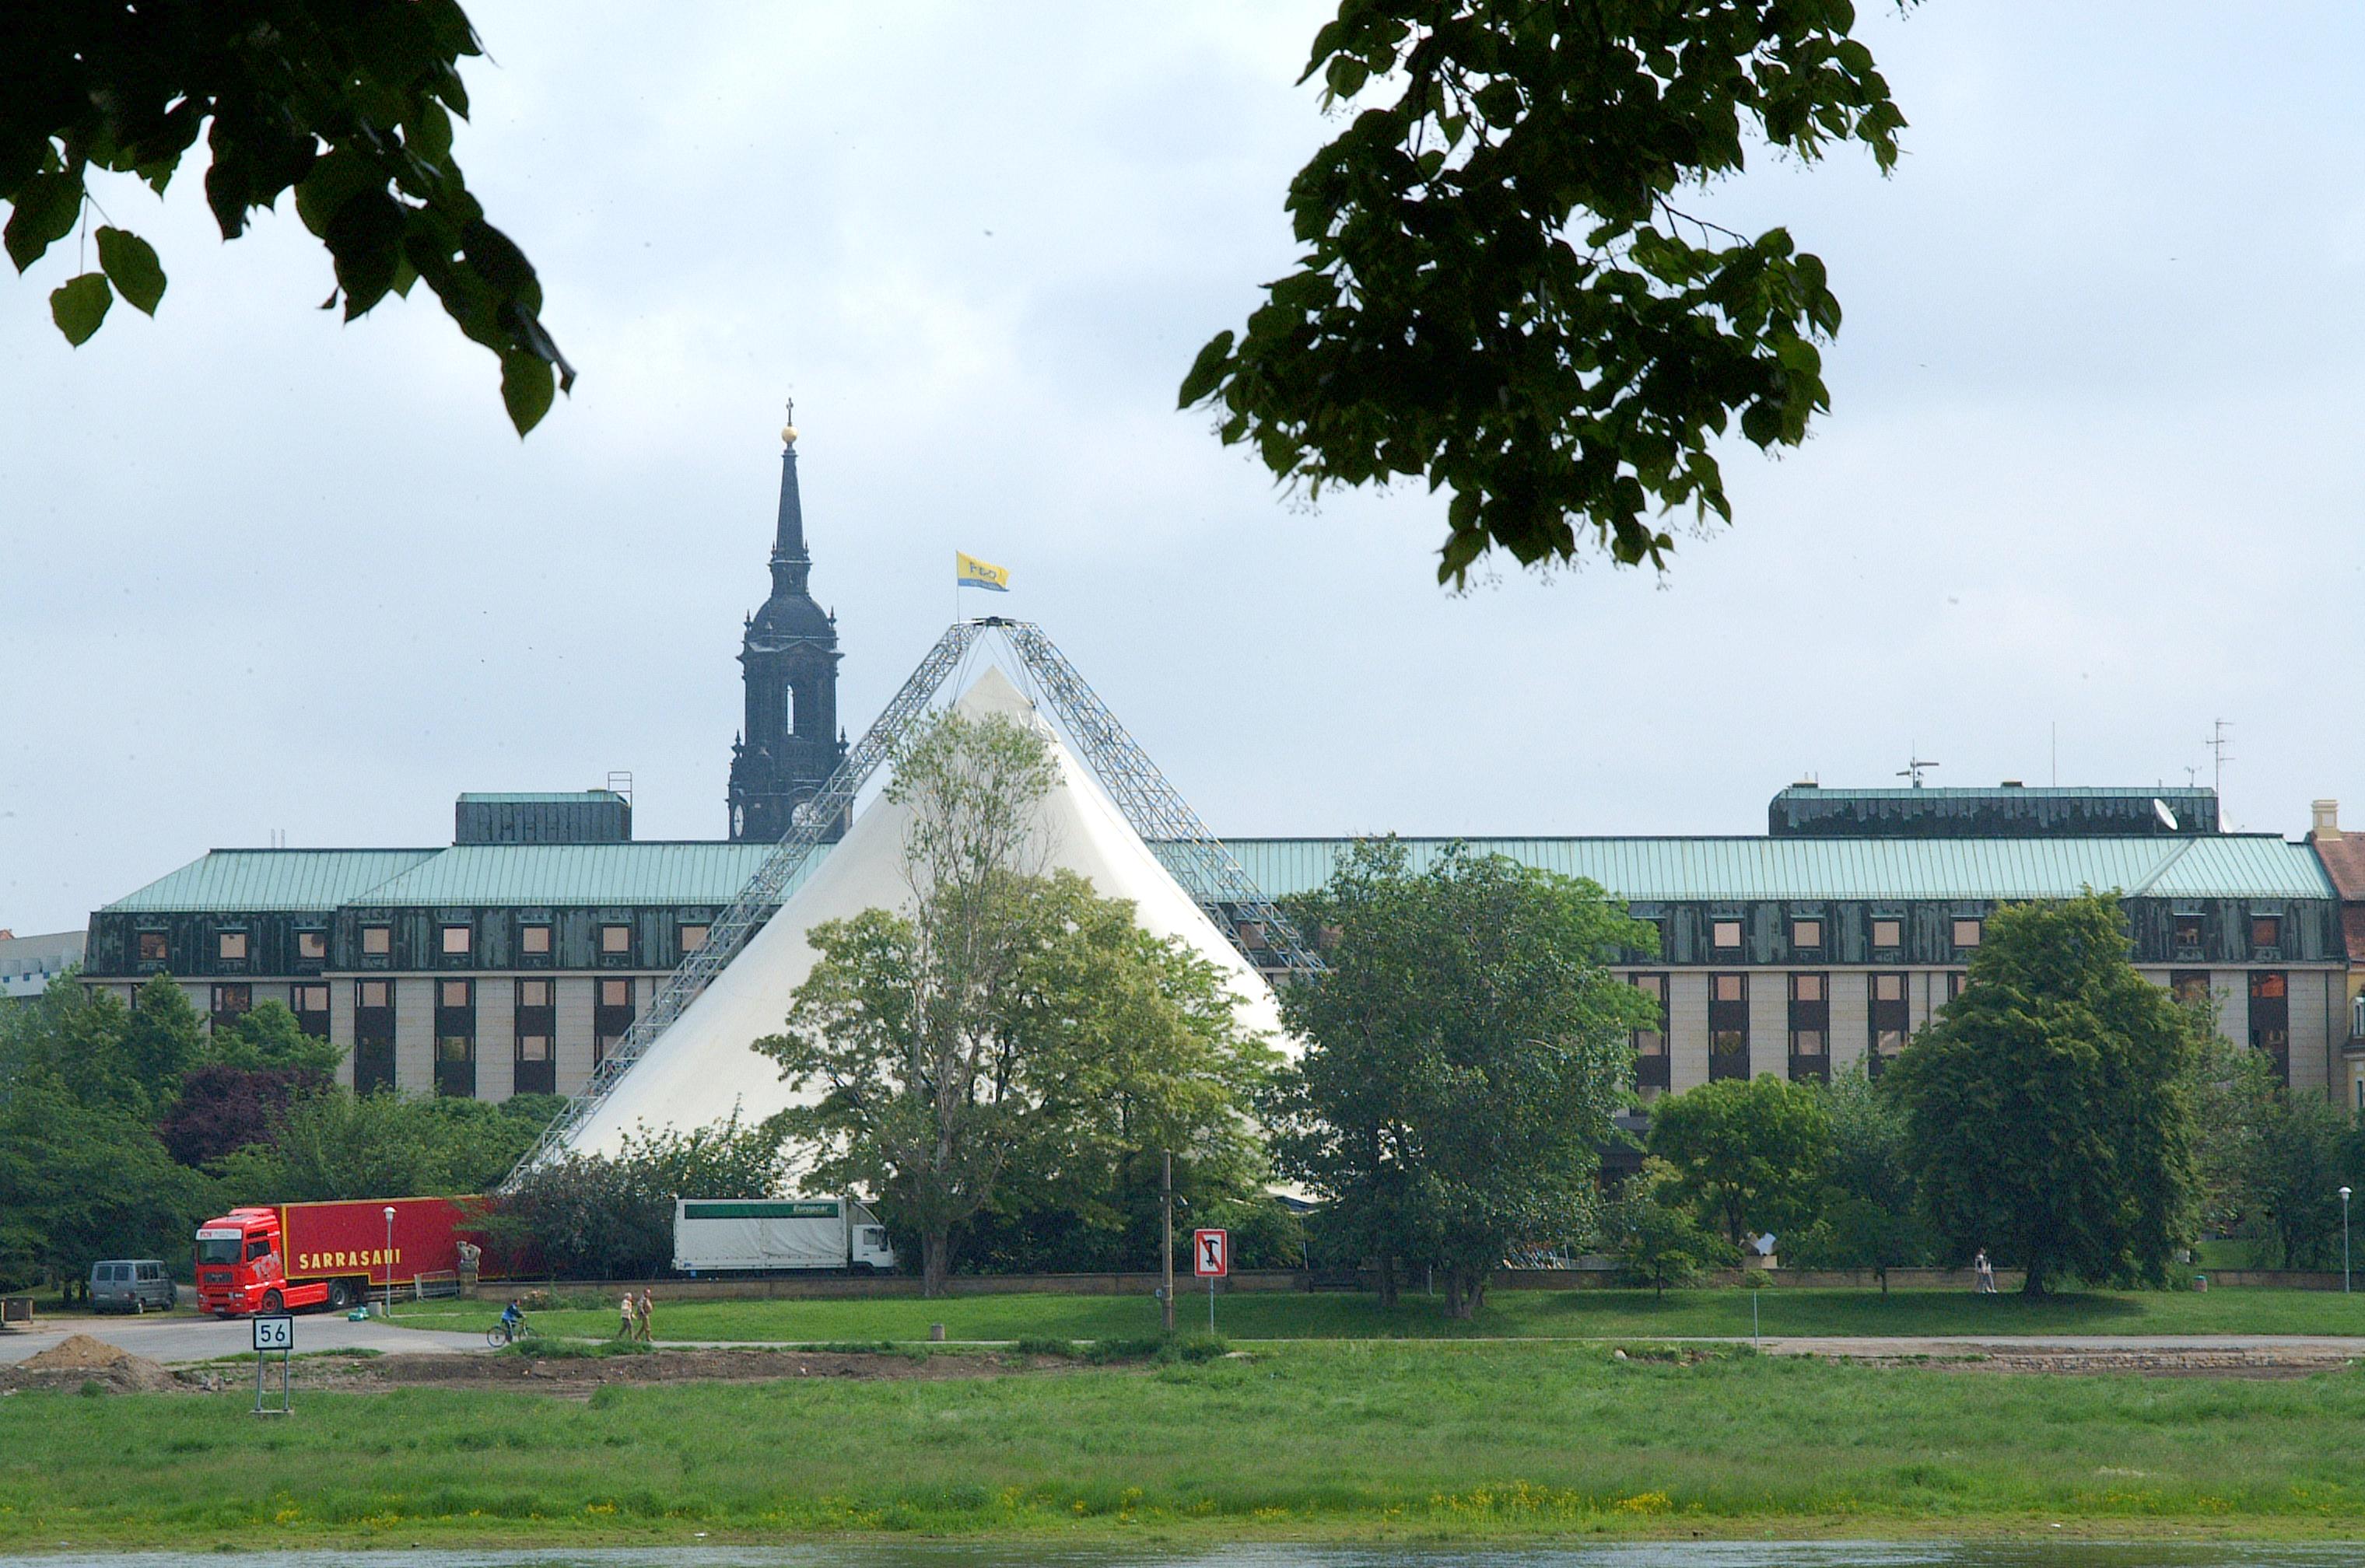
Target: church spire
point(791, 567)
point(789, 657)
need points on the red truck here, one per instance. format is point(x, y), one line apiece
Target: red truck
point(274, 1260)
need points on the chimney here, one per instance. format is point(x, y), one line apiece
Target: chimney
point(2326, 825)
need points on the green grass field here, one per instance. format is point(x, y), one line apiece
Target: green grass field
point(1509, 1314)
point(1304, 1441)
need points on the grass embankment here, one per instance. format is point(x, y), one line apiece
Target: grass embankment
point(1300, 1441)
point(1508, 1315)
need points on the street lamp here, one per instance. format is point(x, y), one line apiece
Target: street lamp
point(390, 1262)
point(2344, 1241)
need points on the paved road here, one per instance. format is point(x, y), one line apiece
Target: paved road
point(184, 1336)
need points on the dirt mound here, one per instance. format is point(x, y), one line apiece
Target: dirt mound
point(79, 1359)
point(78, 1352)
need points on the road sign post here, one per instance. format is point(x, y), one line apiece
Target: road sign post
point(272, 1335)
point(1211, 1259)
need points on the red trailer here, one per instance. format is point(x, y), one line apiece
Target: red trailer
point(273, 1260)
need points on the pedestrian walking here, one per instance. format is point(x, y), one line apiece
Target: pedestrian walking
point(625, 1317)
point(647, 1307)
point(1984, 1272)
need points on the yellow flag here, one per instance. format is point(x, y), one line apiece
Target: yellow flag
point(971, 572)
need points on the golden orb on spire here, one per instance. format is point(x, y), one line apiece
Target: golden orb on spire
point(788, 431)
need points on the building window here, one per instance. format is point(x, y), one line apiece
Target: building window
point(231, 946)
point(2266, 931)
point(693, 937)
point(372, 1036)
point(377, 941)
point(611, 1018)
point(1811, 1028)
point(456, 940)
point(311, 1008)
point(2191, 931)
point(615, 940)
point(311, 943)
point(1807, 934)
point(1956, 981)
point(1728, 1025)
point(455, 1039)
point(1724, 936)
point(2189, 985)
point(2357, 1021)
point(1650, 1044)
point(537, 1026)
point(534, 941)
point(1887, 934)
point(152, 947)
point(2270, 1017)
point(1966, 933)
point(1888, 1019)
point(230, 1000)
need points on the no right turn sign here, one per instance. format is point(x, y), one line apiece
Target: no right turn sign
point(1211, 1253)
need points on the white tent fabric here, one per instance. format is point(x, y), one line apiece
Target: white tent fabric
point(698, 1071)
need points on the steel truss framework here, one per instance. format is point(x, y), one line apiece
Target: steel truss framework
point(1154, 808)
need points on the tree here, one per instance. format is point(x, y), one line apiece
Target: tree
point(81, 1182)
point(348, 102)
point(596, 1216)
point(1009, 1023)
point(267, 1036)
point(2308, 1152)
point(1652, 1232)
point(340, 1144)
point(224, 1108)
point(1498, 292)
point(1751, 1151)
point(1859, 1234)
point(1463, 1053)
point(1867, 1216)
point(2051, 1104)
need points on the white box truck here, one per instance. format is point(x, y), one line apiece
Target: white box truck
point(714, 1236)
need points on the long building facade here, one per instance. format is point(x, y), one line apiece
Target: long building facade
point(497, 967)
point(513, 958)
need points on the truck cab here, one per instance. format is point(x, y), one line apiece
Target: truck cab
point(241, 1267)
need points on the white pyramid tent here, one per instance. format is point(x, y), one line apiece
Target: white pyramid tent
point(698, 1071)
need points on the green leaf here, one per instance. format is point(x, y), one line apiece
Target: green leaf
point(525, 388)
point(78, 305)
point(1207, 371)
point(131, 265)
point(46, 206)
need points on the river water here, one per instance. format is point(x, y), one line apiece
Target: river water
point(1656, 1555)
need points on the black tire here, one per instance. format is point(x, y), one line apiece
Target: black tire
point(497, 1337)
point(274, 1302)
point(341, 1296)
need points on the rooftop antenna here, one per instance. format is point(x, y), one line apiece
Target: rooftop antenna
point(1914, 764)
point(2217, 743)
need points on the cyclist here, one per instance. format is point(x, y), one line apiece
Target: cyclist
point(512, 1321)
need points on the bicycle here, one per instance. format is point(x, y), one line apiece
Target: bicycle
point(504, 1333)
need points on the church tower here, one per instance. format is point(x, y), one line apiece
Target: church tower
point(788, 659)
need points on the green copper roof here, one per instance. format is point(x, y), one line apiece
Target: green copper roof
point(2228, 866)
point(272, 878)
point(468, 874)
point(644, 873)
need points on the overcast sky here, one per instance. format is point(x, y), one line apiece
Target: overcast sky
point(2092, 462)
